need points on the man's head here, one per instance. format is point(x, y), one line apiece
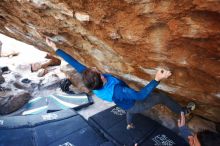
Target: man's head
point(92, 79)
point(205, 138)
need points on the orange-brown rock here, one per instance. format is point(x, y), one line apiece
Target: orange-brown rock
point(52, 61)
point(130, 38)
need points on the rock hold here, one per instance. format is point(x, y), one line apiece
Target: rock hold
point(81, 16)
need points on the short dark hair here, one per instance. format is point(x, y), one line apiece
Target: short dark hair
point(92, 79)
point(208, 138)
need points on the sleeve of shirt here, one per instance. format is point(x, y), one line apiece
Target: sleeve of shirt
point(185, 132)
point(73, 62)
point(124, 92)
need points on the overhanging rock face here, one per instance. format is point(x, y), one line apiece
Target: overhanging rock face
point(131, 38)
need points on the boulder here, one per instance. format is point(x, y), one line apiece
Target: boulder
point(51, 61)
point(131, 39)
point(42, 72)
point(2, 79)
point(12, 103)
point(9, 53)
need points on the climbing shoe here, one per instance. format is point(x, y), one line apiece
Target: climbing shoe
point(130, 126)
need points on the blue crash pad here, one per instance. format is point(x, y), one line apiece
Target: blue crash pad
point(62, 128)
point(147, 132)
